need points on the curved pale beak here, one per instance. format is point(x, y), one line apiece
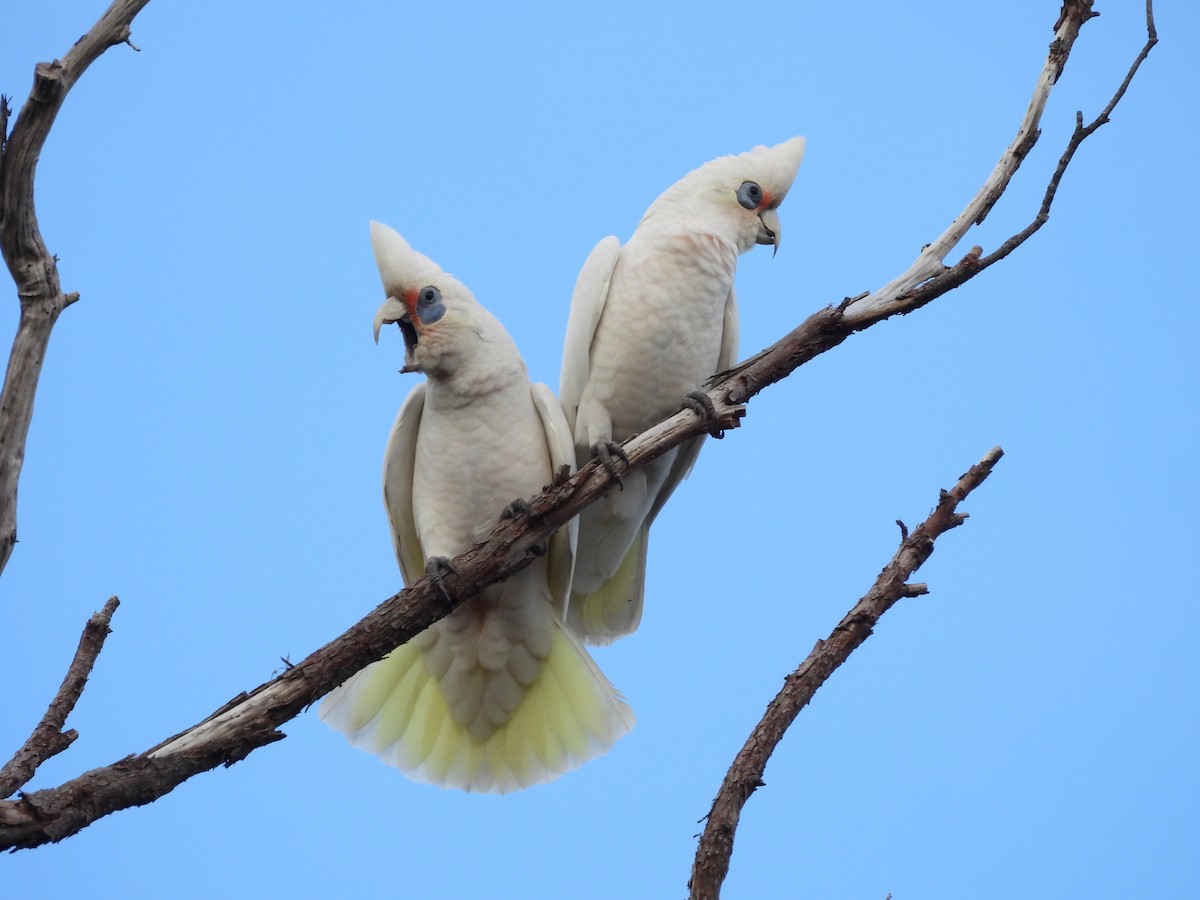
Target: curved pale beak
point(768, 228)
point(390, 312)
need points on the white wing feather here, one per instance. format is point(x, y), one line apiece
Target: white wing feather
point(562, 453)
point(398, 466)
point(587, 303)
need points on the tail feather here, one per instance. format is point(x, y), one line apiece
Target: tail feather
point(577, 742)
point(418, 740)
point(614, 609)
point(395, 709)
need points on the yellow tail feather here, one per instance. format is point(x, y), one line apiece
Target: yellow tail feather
point(395, 709)
point(615, 608)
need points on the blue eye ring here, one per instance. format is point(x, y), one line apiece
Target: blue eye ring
point(750, 195)
point(430, 307)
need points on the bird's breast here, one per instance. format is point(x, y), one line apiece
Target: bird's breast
point(473, 459)
point(660, 333)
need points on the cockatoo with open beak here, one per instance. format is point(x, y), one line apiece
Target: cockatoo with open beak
point(650, 322)
point(498, 695)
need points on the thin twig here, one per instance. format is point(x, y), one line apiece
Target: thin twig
point(48, 738)
point(1078, 136)
point(745, 775)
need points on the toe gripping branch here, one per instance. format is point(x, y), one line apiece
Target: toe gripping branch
point(520, 508)
point(516, 509)
point(608, 452)
point(437, 568)
point(701, 404)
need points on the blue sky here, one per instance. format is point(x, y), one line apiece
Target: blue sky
point(212, 414)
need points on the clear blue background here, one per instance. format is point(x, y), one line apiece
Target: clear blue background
point(212, 414)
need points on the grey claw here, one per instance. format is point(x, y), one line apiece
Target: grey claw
point(436, 568)
point(519, 507)
point(701, 404)
point(606, 451)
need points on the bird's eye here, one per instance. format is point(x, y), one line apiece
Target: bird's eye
point(750, 195)
point(430, 307)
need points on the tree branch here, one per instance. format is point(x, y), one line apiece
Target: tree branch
point(48, 738)
point(745, 774)
point(931, 261)
point(250, 720)
point(32, 266)
point(929, 278)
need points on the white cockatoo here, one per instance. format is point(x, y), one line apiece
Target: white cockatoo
point(650, 322)
point(498, 695)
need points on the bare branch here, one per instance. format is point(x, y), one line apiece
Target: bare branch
point(48, 738)
point(1077, 137)
point(929, 267)
point(928, 278)
point(745, 775)
point(32, 266)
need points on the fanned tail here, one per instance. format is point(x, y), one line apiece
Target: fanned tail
point(395, 709)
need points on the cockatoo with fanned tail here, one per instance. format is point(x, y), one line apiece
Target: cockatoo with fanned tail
point(650, 322)
point(498, 695)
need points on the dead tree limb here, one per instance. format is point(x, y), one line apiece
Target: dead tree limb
point(929, 277)
point(251, 720)
point(49, 739)
point(745, 775)
point(32, 266)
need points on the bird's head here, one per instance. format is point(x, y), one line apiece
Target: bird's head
point(439, 318)
point(739, 195)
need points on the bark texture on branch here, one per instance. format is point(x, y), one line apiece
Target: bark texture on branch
point(745, 775)
point(48, 738)
point(31, 265)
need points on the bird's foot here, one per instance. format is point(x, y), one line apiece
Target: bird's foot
point(519, 507)
point(608, 452)
point(437, 568)
point(701, 404)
